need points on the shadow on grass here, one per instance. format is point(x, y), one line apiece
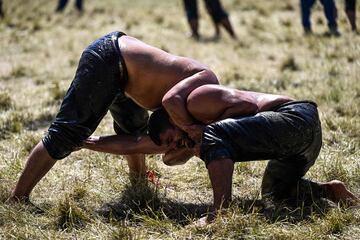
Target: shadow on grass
point(144, 199)
point(293, 211)
point(183, 213)
point(207, 39)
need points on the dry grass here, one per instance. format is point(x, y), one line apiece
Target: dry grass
point(38, 58)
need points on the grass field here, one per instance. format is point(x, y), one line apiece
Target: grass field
point(39, 53)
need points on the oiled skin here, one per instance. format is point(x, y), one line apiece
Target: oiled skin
point(211, 103)
point(152, 72)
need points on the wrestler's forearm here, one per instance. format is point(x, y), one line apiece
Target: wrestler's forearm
point(178, 113)
point(175, 100)
point(123, 145)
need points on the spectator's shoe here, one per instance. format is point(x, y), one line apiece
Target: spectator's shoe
point(307, 31)
point(59, 10)
point(80, 9)
point(195, 36)
point(333, 32)
point(216, 37)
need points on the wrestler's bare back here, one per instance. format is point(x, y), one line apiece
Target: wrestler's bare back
point(152, 71)
point(210, 103)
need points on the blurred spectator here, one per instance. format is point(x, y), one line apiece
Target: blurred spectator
point(330, 14)
point(1, 10)
point(350, 10)
point(62, 4)
point(218, 15)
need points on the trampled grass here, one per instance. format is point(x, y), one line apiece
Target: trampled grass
point(39, 52)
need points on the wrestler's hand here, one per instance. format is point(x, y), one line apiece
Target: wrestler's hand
point(194, 131)
point(196, 150)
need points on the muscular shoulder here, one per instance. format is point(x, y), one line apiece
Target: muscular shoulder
point(131, 48)
point(206, 103)
point(211, 92)
point(139, 55)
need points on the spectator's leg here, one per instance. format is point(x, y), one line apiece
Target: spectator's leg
point(1, 10)
point(216, 27)
point(305, 6)
point(225, 22)
point(194, 25)
point(192, 17)
point(331, 15)
point(219, 16)
point(61, 5)
point(211, 8)
point(350, 10)
point(79, 5)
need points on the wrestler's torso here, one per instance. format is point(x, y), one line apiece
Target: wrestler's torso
point(152, 71)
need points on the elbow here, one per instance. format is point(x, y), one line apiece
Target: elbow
point(171, 101)
point(209, 76)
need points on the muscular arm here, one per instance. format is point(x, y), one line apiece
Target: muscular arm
point(123, 145)
point(210, 103)
point(174, 101)
point(238, 110)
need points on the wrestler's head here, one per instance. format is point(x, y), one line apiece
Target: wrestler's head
point(163, 131)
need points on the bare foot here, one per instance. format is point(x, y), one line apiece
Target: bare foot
point(337, 192)
point(15, 200)
point(25, 201)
